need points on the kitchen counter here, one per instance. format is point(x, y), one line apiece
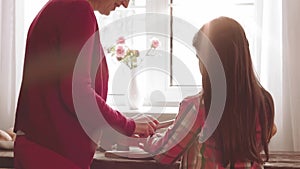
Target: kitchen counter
point(278, 160)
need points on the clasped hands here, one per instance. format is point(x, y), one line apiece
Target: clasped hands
point(145, 125)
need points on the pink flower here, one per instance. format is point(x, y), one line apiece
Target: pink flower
point(120, 51)
point(121, 40)
point(128, 56)
point(155, 43)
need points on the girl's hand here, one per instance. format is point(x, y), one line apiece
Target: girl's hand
point(146, 125)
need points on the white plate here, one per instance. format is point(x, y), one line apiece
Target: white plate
point(9, 145)
point(134, 153)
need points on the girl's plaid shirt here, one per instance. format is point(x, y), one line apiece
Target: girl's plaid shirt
point(181, 141)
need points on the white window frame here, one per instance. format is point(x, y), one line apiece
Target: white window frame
point(172, 94)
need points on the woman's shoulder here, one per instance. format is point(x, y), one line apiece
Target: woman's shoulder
point(64, 10)
point(75, 14)
point(72, 3)
point(69, 1)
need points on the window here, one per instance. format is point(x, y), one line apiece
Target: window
point(199, 12)
point(175, 74)
point(112, 27)
point(161, 87)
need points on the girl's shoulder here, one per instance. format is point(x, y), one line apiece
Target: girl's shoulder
point(193, 106)
point(196, 100)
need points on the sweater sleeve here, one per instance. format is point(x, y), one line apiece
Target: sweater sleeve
point(79, 44)
point(177, 139)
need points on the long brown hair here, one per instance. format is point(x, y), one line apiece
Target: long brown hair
point(247, 102)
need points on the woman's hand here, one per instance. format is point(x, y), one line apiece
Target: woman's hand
point(145, 125)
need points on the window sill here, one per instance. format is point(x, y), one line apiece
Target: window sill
point(159, 112)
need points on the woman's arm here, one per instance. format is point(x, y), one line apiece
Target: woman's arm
point(79, 46)
point(84, 75)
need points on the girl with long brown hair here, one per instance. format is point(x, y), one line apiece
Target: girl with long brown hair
point(246, 124)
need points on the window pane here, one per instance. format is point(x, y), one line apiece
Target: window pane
point(199, 12)
point(116, 68)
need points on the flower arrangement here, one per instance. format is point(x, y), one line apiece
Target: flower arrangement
point(128, 56)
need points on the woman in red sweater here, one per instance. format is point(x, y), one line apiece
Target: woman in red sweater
point(61, 109)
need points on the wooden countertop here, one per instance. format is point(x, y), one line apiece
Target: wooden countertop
point(100, 161)
point(283, 160)
point(278, 160)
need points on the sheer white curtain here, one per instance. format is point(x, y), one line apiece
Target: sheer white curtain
point(268, 58)
point(291, 76)
point(8, 61)
point(15, 18)
point(277, 65)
